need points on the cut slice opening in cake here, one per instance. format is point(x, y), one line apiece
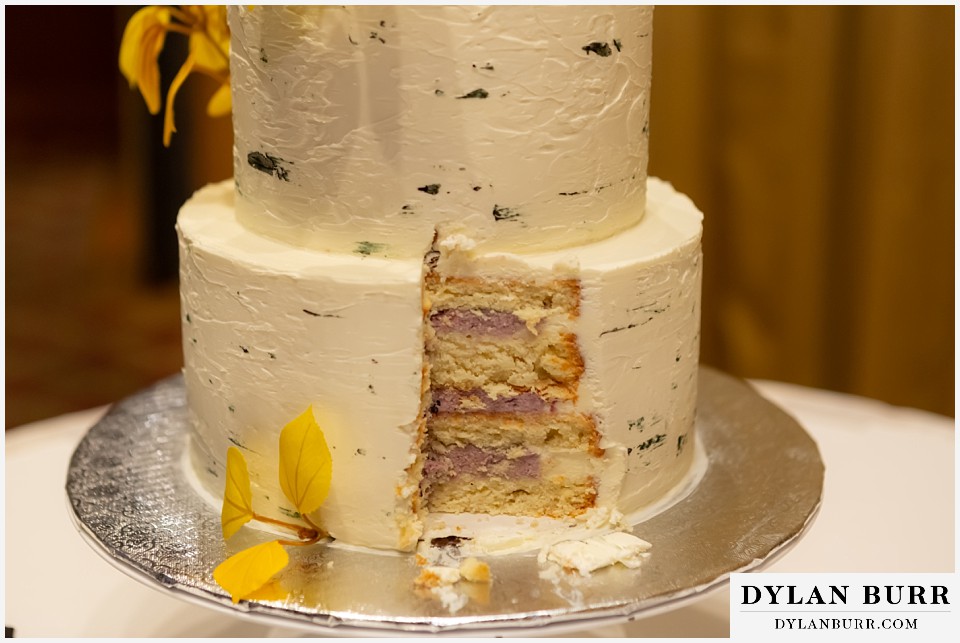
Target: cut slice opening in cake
point(502, 435)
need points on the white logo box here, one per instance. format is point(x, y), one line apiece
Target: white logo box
point(848, 607)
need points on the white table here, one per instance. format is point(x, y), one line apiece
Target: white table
point(888, 506)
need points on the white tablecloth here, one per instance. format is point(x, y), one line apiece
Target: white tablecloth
point(888, 506)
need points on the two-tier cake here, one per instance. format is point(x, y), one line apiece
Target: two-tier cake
point(442, 236)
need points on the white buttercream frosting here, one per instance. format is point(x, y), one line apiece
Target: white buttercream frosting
point(591, 554)
point(362, 129)
point(269, 329)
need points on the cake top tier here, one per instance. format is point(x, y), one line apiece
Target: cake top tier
point(366, 129)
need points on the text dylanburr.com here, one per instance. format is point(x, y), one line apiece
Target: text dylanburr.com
point(849, 607)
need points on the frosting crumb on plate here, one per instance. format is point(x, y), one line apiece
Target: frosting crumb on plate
point(591, 554)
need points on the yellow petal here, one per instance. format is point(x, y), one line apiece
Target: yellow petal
point(244, 573)
point(217, 22)
point(207, 53)
point(131, 44)
point(305, 464)
point(237, 500)
point(221, 102)
point(168, 127)
point(209, 33)
point(140, 47)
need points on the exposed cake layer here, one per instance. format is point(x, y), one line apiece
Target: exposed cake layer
point(502, 345)
point(362, 129)
point(492, 462)
point(505, 338)
point(559, 497)
point(447, 462)
point(571, 431)
point(480, 321)
point(548, 364)
point(637, 330)
point(269, 329)
point(528, 299)
point(452, 400)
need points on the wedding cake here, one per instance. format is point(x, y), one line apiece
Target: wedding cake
point(441, 236)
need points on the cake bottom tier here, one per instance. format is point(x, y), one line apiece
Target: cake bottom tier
point(270, 330)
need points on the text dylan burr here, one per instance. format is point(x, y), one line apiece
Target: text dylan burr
point(838, 595)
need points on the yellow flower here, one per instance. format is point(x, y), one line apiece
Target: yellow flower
point(210, 42)
point(209, 53)
point(221, 102)
point(142, 42)
point(213, 56)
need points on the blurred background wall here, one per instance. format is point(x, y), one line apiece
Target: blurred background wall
point(819, 142)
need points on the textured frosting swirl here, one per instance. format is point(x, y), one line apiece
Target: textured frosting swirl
point(365, 129)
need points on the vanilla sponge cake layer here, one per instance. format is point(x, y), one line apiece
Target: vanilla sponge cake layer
point(548, 363)
point(270, 329)
point(530, 299)
point(503, 337)
point(572, 431)
point(558, 497)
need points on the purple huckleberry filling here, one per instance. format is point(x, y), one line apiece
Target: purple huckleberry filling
point(450, 400)
point(477, 321)
point(473, 460)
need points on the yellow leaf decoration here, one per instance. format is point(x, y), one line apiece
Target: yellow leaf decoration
point(244, 574)
point(305, 463)
point(237, 500)
point(305, 471)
